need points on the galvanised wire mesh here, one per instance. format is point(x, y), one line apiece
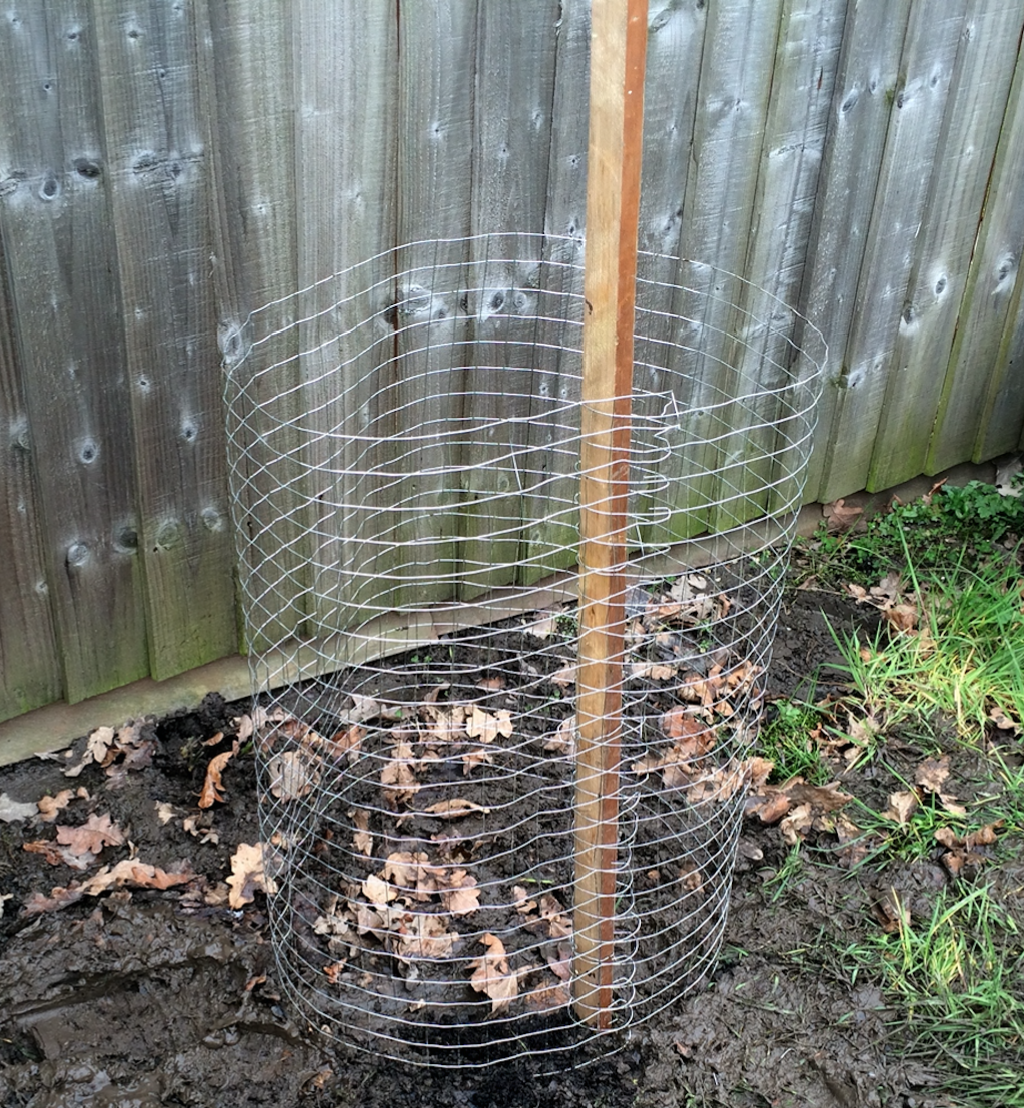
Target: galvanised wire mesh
point(405, 444)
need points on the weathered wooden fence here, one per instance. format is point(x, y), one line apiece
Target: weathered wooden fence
point(168, 166)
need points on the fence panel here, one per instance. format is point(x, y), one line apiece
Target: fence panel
point(167, 169)
point(29, 671)
point(160, 186)
point(982, 404)
point(62, 269)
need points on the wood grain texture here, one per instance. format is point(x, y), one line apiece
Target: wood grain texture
point(736, 76)
point(62, 266)
point(550, 516)
point(248, 103)
point(981, 379)
point(975, 110)
point(676, 38)
point(160, 178)
point(437, 89)
point(29, 669)
point(515, 65)
point(908, 165)
point(618, 55)
point(868, 71)
point(758, 455)
point(346, 203)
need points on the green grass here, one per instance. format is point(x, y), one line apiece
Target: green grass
point(953, 975)
point(965, 660)
point(957, 981)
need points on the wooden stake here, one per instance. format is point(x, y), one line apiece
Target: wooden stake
point(617, 63)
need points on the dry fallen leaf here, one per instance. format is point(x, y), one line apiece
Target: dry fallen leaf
point(564, 677)
point(49, 806)
point(461, 895)
point(1003, 721)
point(412, 874)
point(932, 773)
point(293, 774)
point(840, 516)
point(13, 811)
point(92, 836)
point(347, 743)
point(137, 874)
point(563, 741)
point(397, 777)
point(418, 935)
point(213, 788)
point(334, 970)
point(559, 925)
point(362, 840)
point(902, 806)
point(377, 891)
point(521, 900)
point(96, 748)
point(903, 617)
point(491, 975)
point(656, 671)
point(547, 998)
point(59, 855)
point(455, 808)
point(486, 727)
point(164, 812)
point(248, 874)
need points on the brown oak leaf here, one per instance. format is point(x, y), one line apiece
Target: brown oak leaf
point(92, 836)
point(397, 777)
point(491, 974)
point(50, 806)
point(248, 874)
point(213, 787)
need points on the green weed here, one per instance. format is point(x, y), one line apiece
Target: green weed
point(975, 518)
point(786, 739)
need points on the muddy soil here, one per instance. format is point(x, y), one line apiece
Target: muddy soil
point(154, 996)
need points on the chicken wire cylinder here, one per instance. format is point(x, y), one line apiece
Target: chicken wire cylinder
point(404, 449)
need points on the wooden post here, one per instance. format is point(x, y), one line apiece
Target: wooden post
point(617, 60)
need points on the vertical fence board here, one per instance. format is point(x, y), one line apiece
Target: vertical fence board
point(762, 332)
point(1002, 424)
point(437, 52)
point(978, 365)
point(249, 108)
point(868, 71)
point(515, 68)
point(975, 108)
point(675, 43)
point(550, 517)
point(735, 81)
point(29, 671)
point(900, 207)
point(160, 177)
point(63, 280)
point(346, 85)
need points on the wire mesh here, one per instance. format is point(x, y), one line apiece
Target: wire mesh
point(405, 476)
